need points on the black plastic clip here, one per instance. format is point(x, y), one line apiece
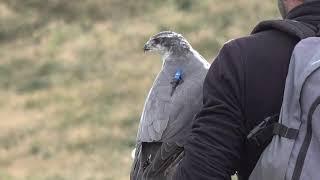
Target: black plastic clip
point(263, 131)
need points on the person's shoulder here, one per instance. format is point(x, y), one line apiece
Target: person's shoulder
point(263, 47)
point(270, 45)
point(269, 39)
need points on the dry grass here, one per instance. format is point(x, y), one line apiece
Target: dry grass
point(73, 77)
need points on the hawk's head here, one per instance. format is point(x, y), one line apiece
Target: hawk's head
point(167, 42)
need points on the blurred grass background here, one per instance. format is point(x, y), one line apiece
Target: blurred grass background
point(73, 77)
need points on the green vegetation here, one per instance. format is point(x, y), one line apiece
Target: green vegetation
point(73, 77)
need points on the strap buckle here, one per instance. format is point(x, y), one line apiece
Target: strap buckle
point(284, 131)
point(263, 131)
point(270, 127)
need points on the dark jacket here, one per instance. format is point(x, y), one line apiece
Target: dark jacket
point(244, 85)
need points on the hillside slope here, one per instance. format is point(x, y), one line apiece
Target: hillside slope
point(73, 77)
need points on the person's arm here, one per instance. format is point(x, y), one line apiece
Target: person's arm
point(216, 142)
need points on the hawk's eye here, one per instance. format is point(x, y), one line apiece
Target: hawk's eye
point(156, 41)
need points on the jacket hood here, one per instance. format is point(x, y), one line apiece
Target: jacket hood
point(307, 12)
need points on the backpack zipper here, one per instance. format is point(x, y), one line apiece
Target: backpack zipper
point(306, 142)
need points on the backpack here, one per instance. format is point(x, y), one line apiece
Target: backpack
point(294, 151)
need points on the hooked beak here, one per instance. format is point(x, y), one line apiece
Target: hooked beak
point(146, 48)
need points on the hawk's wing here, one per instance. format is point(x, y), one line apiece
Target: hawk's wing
point(167, 120)
point(185, 104)
point(164, 117)
point(155, 115)
point(165, 161)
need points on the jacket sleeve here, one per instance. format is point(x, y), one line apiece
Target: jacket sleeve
point(215, 144)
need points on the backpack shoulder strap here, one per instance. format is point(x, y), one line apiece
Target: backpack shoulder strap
point(295, 28)
point(263, 133)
